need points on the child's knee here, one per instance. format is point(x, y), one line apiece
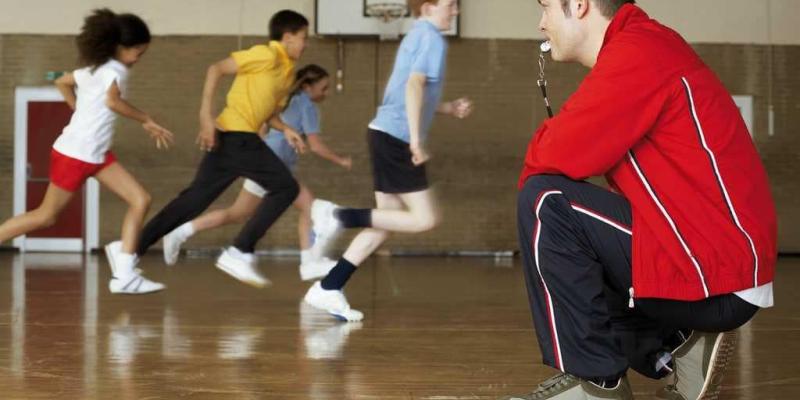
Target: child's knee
point(238, 217)
point(423, 223)
point(141, 202)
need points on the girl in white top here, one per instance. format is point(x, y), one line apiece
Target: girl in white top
point(109, 44)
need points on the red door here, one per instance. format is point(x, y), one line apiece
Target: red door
point(46, 119)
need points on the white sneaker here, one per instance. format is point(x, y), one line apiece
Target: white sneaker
point(332, 301)
point(171, 243)
point(316, 269)
point(242, 267)
point(325, 226)
point(134, 284)
point(112, 249)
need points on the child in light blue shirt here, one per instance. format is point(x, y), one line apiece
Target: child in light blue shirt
point(423, 51)
point(396, 137)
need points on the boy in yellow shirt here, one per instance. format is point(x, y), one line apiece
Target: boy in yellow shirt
point(264, 79)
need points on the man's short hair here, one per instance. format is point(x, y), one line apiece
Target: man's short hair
point(607, 7)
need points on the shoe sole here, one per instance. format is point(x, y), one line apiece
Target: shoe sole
point(228, 272)
point(345, 319)
point(722, 353)
point(138, 294)
point(338, 317)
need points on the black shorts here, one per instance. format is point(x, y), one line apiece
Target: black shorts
point(392, 169)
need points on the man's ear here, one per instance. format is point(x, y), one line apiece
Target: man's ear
point(580, 8)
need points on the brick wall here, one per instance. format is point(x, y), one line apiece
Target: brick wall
point(475, 162)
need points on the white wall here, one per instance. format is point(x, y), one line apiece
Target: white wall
point(713, 21)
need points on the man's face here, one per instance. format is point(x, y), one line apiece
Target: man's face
point(561, 30)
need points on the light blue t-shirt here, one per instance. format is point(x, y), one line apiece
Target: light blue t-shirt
point(424, 51)
point(302, 115)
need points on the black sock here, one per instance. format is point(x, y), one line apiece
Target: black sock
point(339, 275)
point(354, 217)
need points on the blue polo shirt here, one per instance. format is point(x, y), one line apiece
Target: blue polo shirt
point(302, 115)
point(424, 51)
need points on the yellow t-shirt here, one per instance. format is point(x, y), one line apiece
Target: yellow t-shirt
point(261, 86)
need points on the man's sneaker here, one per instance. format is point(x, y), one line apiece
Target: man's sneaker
point(242, 267)
point(332, 301)
point(325, 226)
point(172, 246)
point(316, 269)
point(569, 387)
point(700, 363)
point(134, 284)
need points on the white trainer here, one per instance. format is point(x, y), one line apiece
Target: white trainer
point(316, 269)
point(332, 301)
point(241, 266)
point(171, 243)
point(134, 284)
point(112, 249)
point(325, 226)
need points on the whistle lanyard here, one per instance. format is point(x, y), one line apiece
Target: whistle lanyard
point(542, 83)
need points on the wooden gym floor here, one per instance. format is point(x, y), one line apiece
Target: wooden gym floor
point(435, 328)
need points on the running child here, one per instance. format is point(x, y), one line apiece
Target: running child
point(109, 45)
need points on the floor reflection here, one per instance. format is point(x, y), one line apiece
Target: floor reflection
point(435, 328)
point(323, 337)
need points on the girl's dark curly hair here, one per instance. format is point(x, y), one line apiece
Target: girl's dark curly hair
point(104, 30)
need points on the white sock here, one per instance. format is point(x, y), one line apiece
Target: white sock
point(126, 263)
point(305, 256)
point(185, 231)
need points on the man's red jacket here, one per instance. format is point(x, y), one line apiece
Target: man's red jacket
point(658, 123)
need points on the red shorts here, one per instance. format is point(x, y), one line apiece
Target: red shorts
point(70, 173)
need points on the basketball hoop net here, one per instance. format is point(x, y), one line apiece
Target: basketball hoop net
point(389, 14)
